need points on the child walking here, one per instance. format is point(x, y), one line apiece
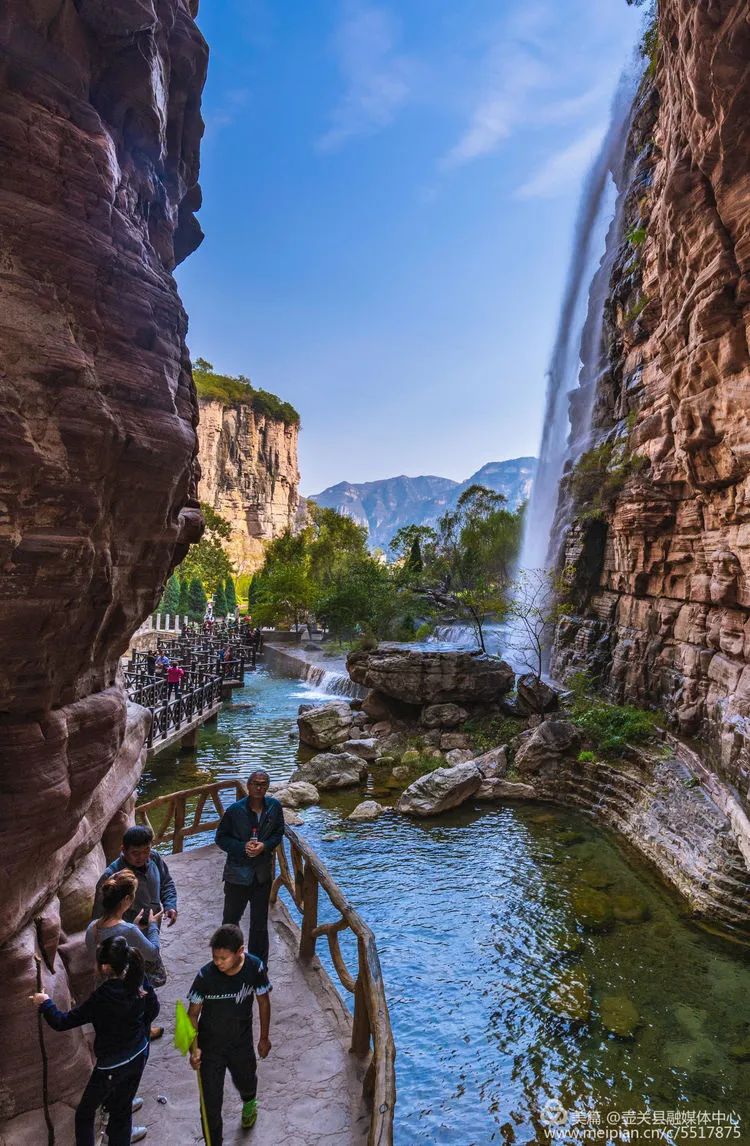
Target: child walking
point(121, 1010)
point(221, 1007)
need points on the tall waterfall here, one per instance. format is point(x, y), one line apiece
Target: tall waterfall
point(578, 353)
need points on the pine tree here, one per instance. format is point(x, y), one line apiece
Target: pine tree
point(220, 604)
point(170, 602)
point(184, 605)
point(230, 595)
point(197, 600)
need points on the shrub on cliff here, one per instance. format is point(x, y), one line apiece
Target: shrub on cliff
point(228, 389)
point(611, 728)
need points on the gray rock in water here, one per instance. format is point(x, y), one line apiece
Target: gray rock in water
point(443, 715)
point(365, 748)
point(440, 790)
point(297, 794)
point(326, 726)
point(499, 789)
point(427, 678)
point(292, 819)
point(330, 770)
point(367, 810)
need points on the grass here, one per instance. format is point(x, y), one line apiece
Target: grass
point(600, 474)
point(488, 732)
point(637, 309)
point(228, 390)
point(610, 728)
point(637, 236)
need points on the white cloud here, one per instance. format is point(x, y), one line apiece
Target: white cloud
point(565, 168)
point(377, 77)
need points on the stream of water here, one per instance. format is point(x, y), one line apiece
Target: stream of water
point(474, 925)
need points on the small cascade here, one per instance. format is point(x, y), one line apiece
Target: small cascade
point(579, 354)
point(333, 683)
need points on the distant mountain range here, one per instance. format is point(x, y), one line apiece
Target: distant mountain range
point(384, 506)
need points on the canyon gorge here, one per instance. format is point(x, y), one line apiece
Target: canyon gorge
point(109, 450)
point(100, 123)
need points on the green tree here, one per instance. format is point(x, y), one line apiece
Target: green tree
point(282, 591)
point(361, 597)
point(197, 600)
point(208, 559)
point(468, 576)
point(220, 603)
point(230, 595)
point(184, 606)
point(170, 602)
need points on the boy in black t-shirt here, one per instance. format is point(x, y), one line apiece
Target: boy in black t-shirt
point(221, 1007)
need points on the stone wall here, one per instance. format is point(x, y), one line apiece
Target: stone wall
point(662, 578)
point(100, 129)
point(249, 474)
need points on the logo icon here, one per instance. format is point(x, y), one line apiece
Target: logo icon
point(553, 1113)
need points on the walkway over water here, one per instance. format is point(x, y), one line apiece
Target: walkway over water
point(309, 1087)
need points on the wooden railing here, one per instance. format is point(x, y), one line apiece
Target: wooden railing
point(176, 812)
point(303, 875)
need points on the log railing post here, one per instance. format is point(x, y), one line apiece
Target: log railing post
point(309, 913)
point(361, 1022)
point(179, 824)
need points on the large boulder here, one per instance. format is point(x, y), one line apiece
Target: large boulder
point(427, 678)
point(326, 726)
point(535, 695)
point(443, 715)
point(330, 770)
point(440, 790)
point(541, 752)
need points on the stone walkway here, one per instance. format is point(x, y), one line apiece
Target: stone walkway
point(309, 1087)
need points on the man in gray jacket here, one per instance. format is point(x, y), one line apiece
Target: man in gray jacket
point(249, 831)
point(156, 889)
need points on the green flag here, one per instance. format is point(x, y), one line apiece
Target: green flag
point(184, 1031)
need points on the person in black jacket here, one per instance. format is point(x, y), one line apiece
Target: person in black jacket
point(249, 831)
point(121, 1011)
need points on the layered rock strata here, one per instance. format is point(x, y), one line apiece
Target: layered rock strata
point(661, 555)
point(100, 128)
point(249, 474)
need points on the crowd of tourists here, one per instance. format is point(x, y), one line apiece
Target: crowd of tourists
point(134, 896)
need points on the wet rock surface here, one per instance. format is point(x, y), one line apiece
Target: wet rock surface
point(661, 580)
point(325, 726)
point(430, 678)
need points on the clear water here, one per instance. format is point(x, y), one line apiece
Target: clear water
point(468, 912)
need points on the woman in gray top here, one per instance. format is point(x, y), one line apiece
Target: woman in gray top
point(118, 896)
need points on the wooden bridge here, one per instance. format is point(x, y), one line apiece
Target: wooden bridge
point(330, 1077)
point(209, 679)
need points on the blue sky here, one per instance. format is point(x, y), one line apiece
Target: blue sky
point(389, 197)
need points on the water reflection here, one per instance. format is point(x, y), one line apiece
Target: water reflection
point(486, 965)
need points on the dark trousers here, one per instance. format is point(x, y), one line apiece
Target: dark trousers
point(173, 686)
point(236, 898)
point(215, 1062)
point(115, 1090)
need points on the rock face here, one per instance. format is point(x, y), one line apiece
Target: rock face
point(428, 678)
point(325, 727)
point(541, 752)
point(440, 790)
point(662, 584)
point(100, 128)
point(249, 474)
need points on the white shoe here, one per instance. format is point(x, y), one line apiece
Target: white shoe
point(138, 1133)
point(137, 1103)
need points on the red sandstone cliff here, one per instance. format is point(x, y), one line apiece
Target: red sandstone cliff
point(99, 138)
point(662, 584)
point(249, 474)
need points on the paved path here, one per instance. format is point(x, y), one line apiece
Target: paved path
point(309, 1086)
